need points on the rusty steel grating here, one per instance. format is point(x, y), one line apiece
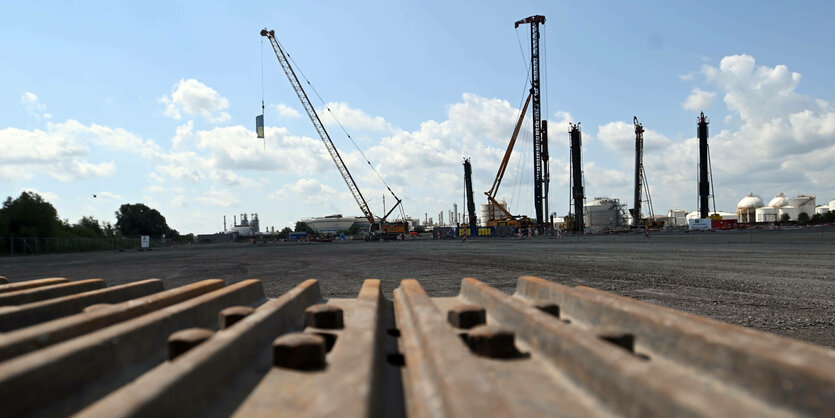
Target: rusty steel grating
point(80, 348)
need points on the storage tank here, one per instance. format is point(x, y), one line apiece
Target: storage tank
point(677, 217)
point(779, 201)
point(603, 212)
point(832, 206)
point(792, 211)
point(746, 209)
point(768, 214)
point(821, 210)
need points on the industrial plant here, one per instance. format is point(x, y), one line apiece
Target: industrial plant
point(599, 214)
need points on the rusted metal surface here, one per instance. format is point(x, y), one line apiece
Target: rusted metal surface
point(547, 350)
point(63, 378)
point(37, 294)
point(15, 286)
point(15, 317)
point(51, 332)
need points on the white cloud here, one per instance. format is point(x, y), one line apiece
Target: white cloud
point(192, 97)
point(35, 108)
point(310, 192)
point(154, 188)
point(620, 136)
point(219, 198)
point(48, 196)
point(108, 196)
point(352, 118)
point(56, 152)
point(698, 100)
point(287, 111)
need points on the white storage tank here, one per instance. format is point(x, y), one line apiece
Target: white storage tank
point(603, 212)
point(746, 209)
point(821, 210)
point(768, 214)
point(832, 206)
point(792, 211)
point(804, 204)
point(677, 217)
point(779, 201)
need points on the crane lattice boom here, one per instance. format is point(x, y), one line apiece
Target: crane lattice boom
point(320, 128)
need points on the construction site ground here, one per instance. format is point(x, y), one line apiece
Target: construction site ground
point(779, 281)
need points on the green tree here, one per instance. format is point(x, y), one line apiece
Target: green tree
point(138, 219)
point(87, 226)
point(285, 233)
point(816, 219)
point(304, 227)
point(29, 216)
point(803, 217)
point(785, 217)
point(420, 229)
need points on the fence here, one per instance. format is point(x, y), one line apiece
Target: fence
point(29, 246)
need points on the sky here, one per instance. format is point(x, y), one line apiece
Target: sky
point(154, 103)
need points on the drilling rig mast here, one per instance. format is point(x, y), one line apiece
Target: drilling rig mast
point(641, 183)
point(468, 185)
point(540, 142)
point(377, 225)
point(577, 193)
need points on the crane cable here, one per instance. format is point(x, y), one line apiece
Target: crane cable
point(521, 166)
point(338, 122)
point(262, 90)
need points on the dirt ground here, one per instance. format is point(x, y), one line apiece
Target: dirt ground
point(776, 281)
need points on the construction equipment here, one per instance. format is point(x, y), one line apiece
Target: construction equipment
point(468, 185)
point(540, 141)
point(379, 226)
point(506, 218)
point(641, 182)
point(704, 162)
point(577, 194)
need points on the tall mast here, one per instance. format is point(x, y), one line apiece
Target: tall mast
point(704, 184)
point(540, 176)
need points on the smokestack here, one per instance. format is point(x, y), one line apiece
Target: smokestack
point(224, 223)
point(455, 208)
point(704, 185)
point(577, 173)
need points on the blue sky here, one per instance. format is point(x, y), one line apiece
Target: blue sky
point(155, 102)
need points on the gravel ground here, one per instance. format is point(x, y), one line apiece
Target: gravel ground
point(776, 281)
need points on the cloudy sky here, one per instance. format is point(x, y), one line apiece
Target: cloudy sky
point(154, 102)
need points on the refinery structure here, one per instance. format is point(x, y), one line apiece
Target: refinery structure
point(495, 218)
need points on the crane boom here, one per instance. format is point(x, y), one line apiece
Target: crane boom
point(491, 195)
point(320, 128)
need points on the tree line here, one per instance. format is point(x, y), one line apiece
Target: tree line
point(30, 216)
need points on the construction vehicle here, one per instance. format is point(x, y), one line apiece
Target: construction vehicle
point(380, 227)
point(506, 218)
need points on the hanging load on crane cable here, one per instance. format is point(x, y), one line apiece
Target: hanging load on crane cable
point(380, 227)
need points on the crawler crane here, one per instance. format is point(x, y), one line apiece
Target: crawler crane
point(379, 227)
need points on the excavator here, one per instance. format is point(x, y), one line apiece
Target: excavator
point(380, 227)
point(494, 206)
